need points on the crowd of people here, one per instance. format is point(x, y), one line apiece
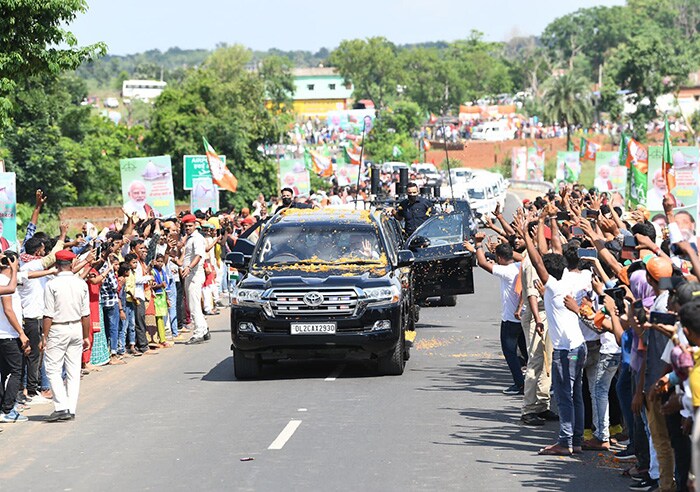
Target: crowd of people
point(147, 284)
point(601, 326)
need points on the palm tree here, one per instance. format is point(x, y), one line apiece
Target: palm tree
point(566, 99)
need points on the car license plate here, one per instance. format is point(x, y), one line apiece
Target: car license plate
point(313, 328)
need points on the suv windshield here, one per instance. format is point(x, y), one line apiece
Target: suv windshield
point(319, 245)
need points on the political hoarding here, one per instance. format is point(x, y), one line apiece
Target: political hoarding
point(685, 164)
point(610, 175)
point(568, 167)
point(535, 164)
point(196, 166)
point(519, 163)
point(8, 210)
point(204, 195)
point(147, 186)
point(294, 175)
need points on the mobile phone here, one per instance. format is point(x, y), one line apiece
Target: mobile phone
point(587, 253)
point(657, 318)
point(577, 231)
point(629, 249)
point(637, 304)
point(564, 215)
point(590, 214)
point(618, 295)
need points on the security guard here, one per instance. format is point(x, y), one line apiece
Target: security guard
point(414, 210)
point(65, 335)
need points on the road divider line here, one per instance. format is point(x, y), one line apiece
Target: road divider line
point(336, 372)
point(285, 435)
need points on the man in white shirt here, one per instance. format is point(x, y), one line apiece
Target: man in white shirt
point(193, 273)
point(512, 336)
point(66, 334)
point(13, 343)
point(569, 354)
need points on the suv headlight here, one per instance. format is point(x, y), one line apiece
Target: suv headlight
point(382, 295)
point(247, 296)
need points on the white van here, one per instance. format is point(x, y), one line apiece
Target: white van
point(493, 131)
point(460, 175)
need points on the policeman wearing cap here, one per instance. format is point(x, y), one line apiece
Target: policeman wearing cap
point(192, 271)
point(65, 335)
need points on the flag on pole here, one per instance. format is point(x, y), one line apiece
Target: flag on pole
point(432, 119)
point(426, 144)
point(667, 160)
point(317, 163)
point(638, 166)
point(622, 160)
point(588, 150)
point(220, 175)
point(396, 151)
point(571, 147)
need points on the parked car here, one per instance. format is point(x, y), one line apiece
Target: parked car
point(430, 173)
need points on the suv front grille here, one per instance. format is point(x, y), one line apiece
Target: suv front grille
point(336, 302)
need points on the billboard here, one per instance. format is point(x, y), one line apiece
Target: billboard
point(147, 186)
point(8, 210)
point(294, 175)
point(204, 195)
point(519, 163)
point(685, 163)
point(610, 176)
point(568, 167)
point(196, 166)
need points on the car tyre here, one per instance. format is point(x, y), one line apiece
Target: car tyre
point(245, 368)
point(448, 301)
point(393, 363)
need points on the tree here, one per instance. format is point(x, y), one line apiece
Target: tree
point(226, 102)
point(372, 67)
point(566, 100)
point(430, 80)
point(393, 131)
point(31, 32)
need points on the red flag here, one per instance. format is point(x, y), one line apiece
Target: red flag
point(220, 175)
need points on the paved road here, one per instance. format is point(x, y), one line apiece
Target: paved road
point(180, 421)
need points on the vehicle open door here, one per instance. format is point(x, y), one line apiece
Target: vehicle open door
point(442, 266)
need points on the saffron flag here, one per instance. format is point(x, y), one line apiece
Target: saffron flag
point(351, 157)
point(319, 164)
point(638, 164)
point(667, 160)
point(220, 175)
point(588, 150)
point(426, 144)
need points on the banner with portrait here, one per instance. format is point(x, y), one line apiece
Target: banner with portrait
point(610, 176)
point(519, 163)
point(568, 167)
point(147, 186)
point(535, 164)
point(294, 175)
point(685, 164)
point(8, 211)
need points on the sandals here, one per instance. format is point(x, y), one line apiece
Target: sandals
point(555, 450)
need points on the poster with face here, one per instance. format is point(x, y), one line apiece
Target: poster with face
point(519, 163)
point(610, 176)
point(685, 163)
point(294, 175)
point(568, 167)
point(8, 210)
point(535, 164)
point(204, 195)
point(147, 186)
point(346, 174)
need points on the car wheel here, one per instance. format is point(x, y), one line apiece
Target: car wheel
point(392, 364)
point(245, 368)
point(448, 300)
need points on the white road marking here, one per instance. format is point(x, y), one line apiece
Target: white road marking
point(285, 435)
point(336, 372)
point(302, 410)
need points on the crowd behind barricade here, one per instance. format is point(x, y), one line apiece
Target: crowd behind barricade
point(601, 328)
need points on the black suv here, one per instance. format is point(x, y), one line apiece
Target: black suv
point(322, 283)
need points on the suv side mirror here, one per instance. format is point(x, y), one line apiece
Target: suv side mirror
point(237, 260)
point(419, 242)
point(405, 258)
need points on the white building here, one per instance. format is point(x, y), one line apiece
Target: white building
point(145, 90)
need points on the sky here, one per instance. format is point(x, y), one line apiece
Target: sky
point(133, 26)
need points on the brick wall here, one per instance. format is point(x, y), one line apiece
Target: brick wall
point(100, 216)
